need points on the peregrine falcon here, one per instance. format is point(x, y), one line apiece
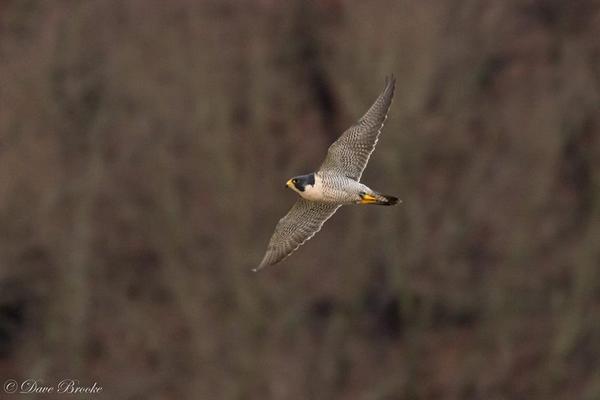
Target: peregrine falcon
point(336, 183)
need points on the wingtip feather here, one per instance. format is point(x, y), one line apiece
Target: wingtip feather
point(390, 81)
point(262, 264)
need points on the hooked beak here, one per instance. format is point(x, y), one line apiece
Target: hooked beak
point(289, 184)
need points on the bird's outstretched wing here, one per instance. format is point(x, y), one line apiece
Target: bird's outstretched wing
point(349, 154)
point(300, 224)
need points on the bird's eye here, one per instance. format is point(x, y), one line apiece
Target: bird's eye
point(295, 181)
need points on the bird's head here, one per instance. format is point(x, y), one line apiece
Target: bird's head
point(300, 183)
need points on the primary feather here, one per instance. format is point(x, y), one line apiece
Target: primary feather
point(350, 154)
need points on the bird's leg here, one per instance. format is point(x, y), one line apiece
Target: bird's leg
point(366, 198)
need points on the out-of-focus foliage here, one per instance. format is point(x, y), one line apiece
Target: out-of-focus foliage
point(143, 151)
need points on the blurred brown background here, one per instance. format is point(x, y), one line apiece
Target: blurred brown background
point(144, 147)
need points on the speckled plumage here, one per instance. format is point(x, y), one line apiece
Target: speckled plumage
point(340, 189)
point(336, 183)
point(349, 154)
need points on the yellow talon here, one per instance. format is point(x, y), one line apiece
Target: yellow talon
point(367, 199)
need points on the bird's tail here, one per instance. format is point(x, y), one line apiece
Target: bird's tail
point(378, 199)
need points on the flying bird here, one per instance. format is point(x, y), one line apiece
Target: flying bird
point(336, 183)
